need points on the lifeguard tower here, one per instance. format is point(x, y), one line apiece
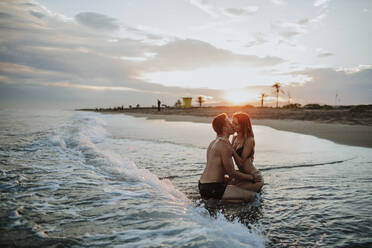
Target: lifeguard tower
point(187, 102)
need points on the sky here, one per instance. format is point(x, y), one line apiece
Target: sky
point(94, 53)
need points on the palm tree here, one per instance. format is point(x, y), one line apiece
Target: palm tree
point(200, 100)
point(263, 95)
point(178, 103)
point(276, 87)
point(289, 96)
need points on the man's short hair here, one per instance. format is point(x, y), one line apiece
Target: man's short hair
point(219, 122)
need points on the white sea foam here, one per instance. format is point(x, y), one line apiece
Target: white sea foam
point(93, 128)
point(57, 141)
point(233, 233)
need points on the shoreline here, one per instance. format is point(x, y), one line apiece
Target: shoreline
point(352, 135)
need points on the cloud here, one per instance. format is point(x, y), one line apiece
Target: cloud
point(351, 70)
point(259, 39)
point(352, 86)
point(323, 53)
point(204, 6)
point(97, 21)
point(64, 50)
point(277, 2)
point(191, 54)
point(45, 57)
point(240, 11)
point(4, 15)
point(37, 14)
point(90, 87)
point(303, 21)
point(319, 17)
point(29, 4)
point(57, 56)
point(321, 3)
point(288, 30)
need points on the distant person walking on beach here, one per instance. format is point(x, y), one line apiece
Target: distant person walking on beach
point(212, 183)
point(159, 105)
point(244, 146)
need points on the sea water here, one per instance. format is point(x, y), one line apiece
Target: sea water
point(86, 179)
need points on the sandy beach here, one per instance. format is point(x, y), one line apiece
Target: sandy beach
point(347, 134)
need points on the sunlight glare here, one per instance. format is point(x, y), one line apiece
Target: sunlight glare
point(240, 96)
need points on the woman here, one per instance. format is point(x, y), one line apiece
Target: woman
point(243, 144)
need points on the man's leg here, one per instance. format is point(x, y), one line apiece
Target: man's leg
point(233, 192)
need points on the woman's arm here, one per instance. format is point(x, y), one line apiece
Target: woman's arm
point(238, 160)
point(248, 147)
point(229, 167)
point(233, 141)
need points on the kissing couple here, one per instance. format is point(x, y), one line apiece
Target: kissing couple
point(220, 180)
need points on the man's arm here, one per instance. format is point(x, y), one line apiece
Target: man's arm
point(228, 164)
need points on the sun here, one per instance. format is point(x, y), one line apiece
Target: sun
point(239, 96)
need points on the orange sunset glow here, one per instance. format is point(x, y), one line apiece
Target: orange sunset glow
point(239, 96)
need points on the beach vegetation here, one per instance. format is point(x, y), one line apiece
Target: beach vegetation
point(263, 95)
point(317, 106)
point(288, 93)
point(249, 106)
point(178, 104)
point(200, 100)
point(292, 106)
point(277, 90)
point(359, 108)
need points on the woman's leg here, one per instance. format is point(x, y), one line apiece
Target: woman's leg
point(255, 187)
point(235, 193)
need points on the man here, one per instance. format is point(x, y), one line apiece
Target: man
point(219, 162)
point(159, 105)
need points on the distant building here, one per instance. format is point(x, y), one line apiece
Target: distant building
point(187, 102)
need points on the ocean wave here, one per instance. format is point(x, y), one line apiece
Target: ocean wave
point(218, 228)
point(57, 141)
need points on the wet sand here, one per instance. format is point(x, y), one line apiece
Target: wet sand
point(353, 135)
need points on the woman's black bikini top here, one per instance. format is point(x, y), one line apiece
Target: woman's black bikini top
point(239, 151)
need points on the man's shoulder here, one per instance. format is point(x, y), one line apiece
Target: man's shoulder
point(217, 144)
point(223, 145)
